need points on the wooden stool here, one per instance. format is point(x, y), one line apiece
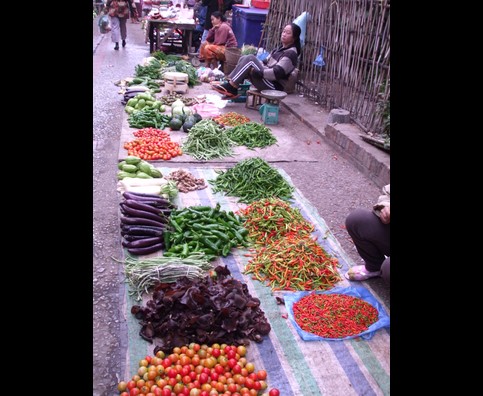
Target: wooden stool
point(255, 99)
point(176, 82)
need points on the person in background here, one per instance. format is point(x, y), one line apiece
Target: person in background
point(272, 73)
point(133, 11)
point(211, 7)
point(99, 6)
point(118, 12)
point(220, 36)
point(199, 14)
point(139, 9)
point(370, 231)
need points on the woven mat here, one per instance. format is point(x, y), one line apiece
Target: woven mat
point(294, 366)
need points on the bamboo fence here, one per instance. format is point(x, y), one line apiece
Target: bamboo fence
point(355, 41)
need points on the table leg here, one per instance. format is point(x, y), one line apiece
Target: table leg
point(190, 40)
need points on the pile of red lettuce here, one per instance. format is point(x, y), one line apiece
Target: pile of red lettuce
point(215, 309)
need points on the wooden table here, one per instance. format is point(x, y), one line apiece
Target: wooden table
point(157, 26)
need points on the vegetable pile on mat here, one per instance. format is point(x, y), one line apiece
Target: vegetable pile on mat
point(143, 274)
point(252, 135)
point(204, 229)
point(214, 309)
point(144, 220)
point(286, 258)
point(251, 180)
point(207, 140)
point(334, 315)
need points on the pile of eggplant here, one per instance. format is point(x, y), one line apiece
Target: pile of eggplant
point(132, 91)
point(144, 218)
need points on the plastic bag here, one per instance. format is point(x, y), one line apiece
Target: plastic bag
point(319, 61)
point(104, 24)
point(359, 292)
point(301, 21)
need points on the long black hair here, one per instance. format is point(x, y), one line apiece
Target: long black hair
point(296, 31)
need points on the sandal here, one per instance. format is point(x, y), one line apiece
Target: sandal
point(225, 91)
point(359, 273)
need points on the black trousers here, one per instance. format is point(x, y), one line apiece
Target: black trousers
point(372, 240)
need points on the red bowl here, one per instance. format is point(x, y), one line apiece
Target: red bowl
point(260, 3)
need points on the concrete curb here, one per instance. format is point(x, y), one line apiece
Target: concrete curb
point(371, 161)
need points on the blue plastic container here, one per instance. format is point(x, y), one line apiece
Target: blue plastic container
point(247, 24)
point(269, 113)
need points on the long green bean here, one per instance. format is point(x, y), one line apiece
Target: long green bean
point(251, 180)
point(141, 275)
point(207, 140)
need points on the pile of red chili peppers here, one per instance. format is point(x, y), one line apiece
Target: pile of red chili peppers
point(334, 315)
point(271, 218)
point(287, 257)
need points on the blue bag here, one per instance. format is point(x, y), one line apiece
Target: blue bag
point(319, 61)
point(359, 292)
point(104, 26)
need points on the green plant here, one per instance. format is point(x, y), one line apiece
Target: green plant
point(384, 111)
point(248, 50)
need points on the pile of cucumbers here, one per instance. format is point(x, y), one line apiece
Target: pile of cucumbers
point(133, 166)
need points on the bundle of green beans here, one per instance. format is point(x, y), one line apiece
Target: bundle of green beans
point(251, 135)
point(141, 275)
point(207, 140)
point(251, 180)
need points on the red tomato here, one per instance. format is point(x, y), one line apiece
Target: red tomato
point(261, 374)
point(274, 392)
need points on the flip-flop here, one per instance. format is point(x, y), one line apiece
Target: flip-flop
point(224, 92)
point(359, 273)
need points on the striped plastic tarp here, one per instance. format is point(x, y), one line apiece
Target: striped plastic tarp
point(294, 366)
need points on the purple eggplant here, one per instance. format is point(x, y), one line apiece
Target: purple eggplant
point(132, 203)
point(142, 242)
point(140, 221)
point(143, 196)
point(130, 238)
point(155, 232)
point(146, 250)
point(143, 214)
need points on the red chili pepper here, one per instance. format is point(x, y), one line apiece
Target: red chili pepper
point(334, 315)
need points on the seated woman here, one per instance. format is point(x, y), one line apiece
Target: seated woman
point(272, 73)
point(220, 36)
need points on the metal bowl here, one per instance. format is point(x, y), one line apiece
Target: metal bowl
point(273, 94)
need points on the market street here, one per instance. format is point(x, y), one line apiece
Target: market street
point(331, 183)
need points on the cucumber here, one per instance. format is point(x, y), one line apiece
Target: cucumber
point(129, 168)
point(154, 172)
point(143, 166)
point(132, 160)
point(122, 175)
point(137, 80)
point(132, 102)
point(143, 175)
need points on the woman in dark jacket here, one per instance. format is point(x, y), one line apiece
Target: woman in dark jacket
point(273, 72)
